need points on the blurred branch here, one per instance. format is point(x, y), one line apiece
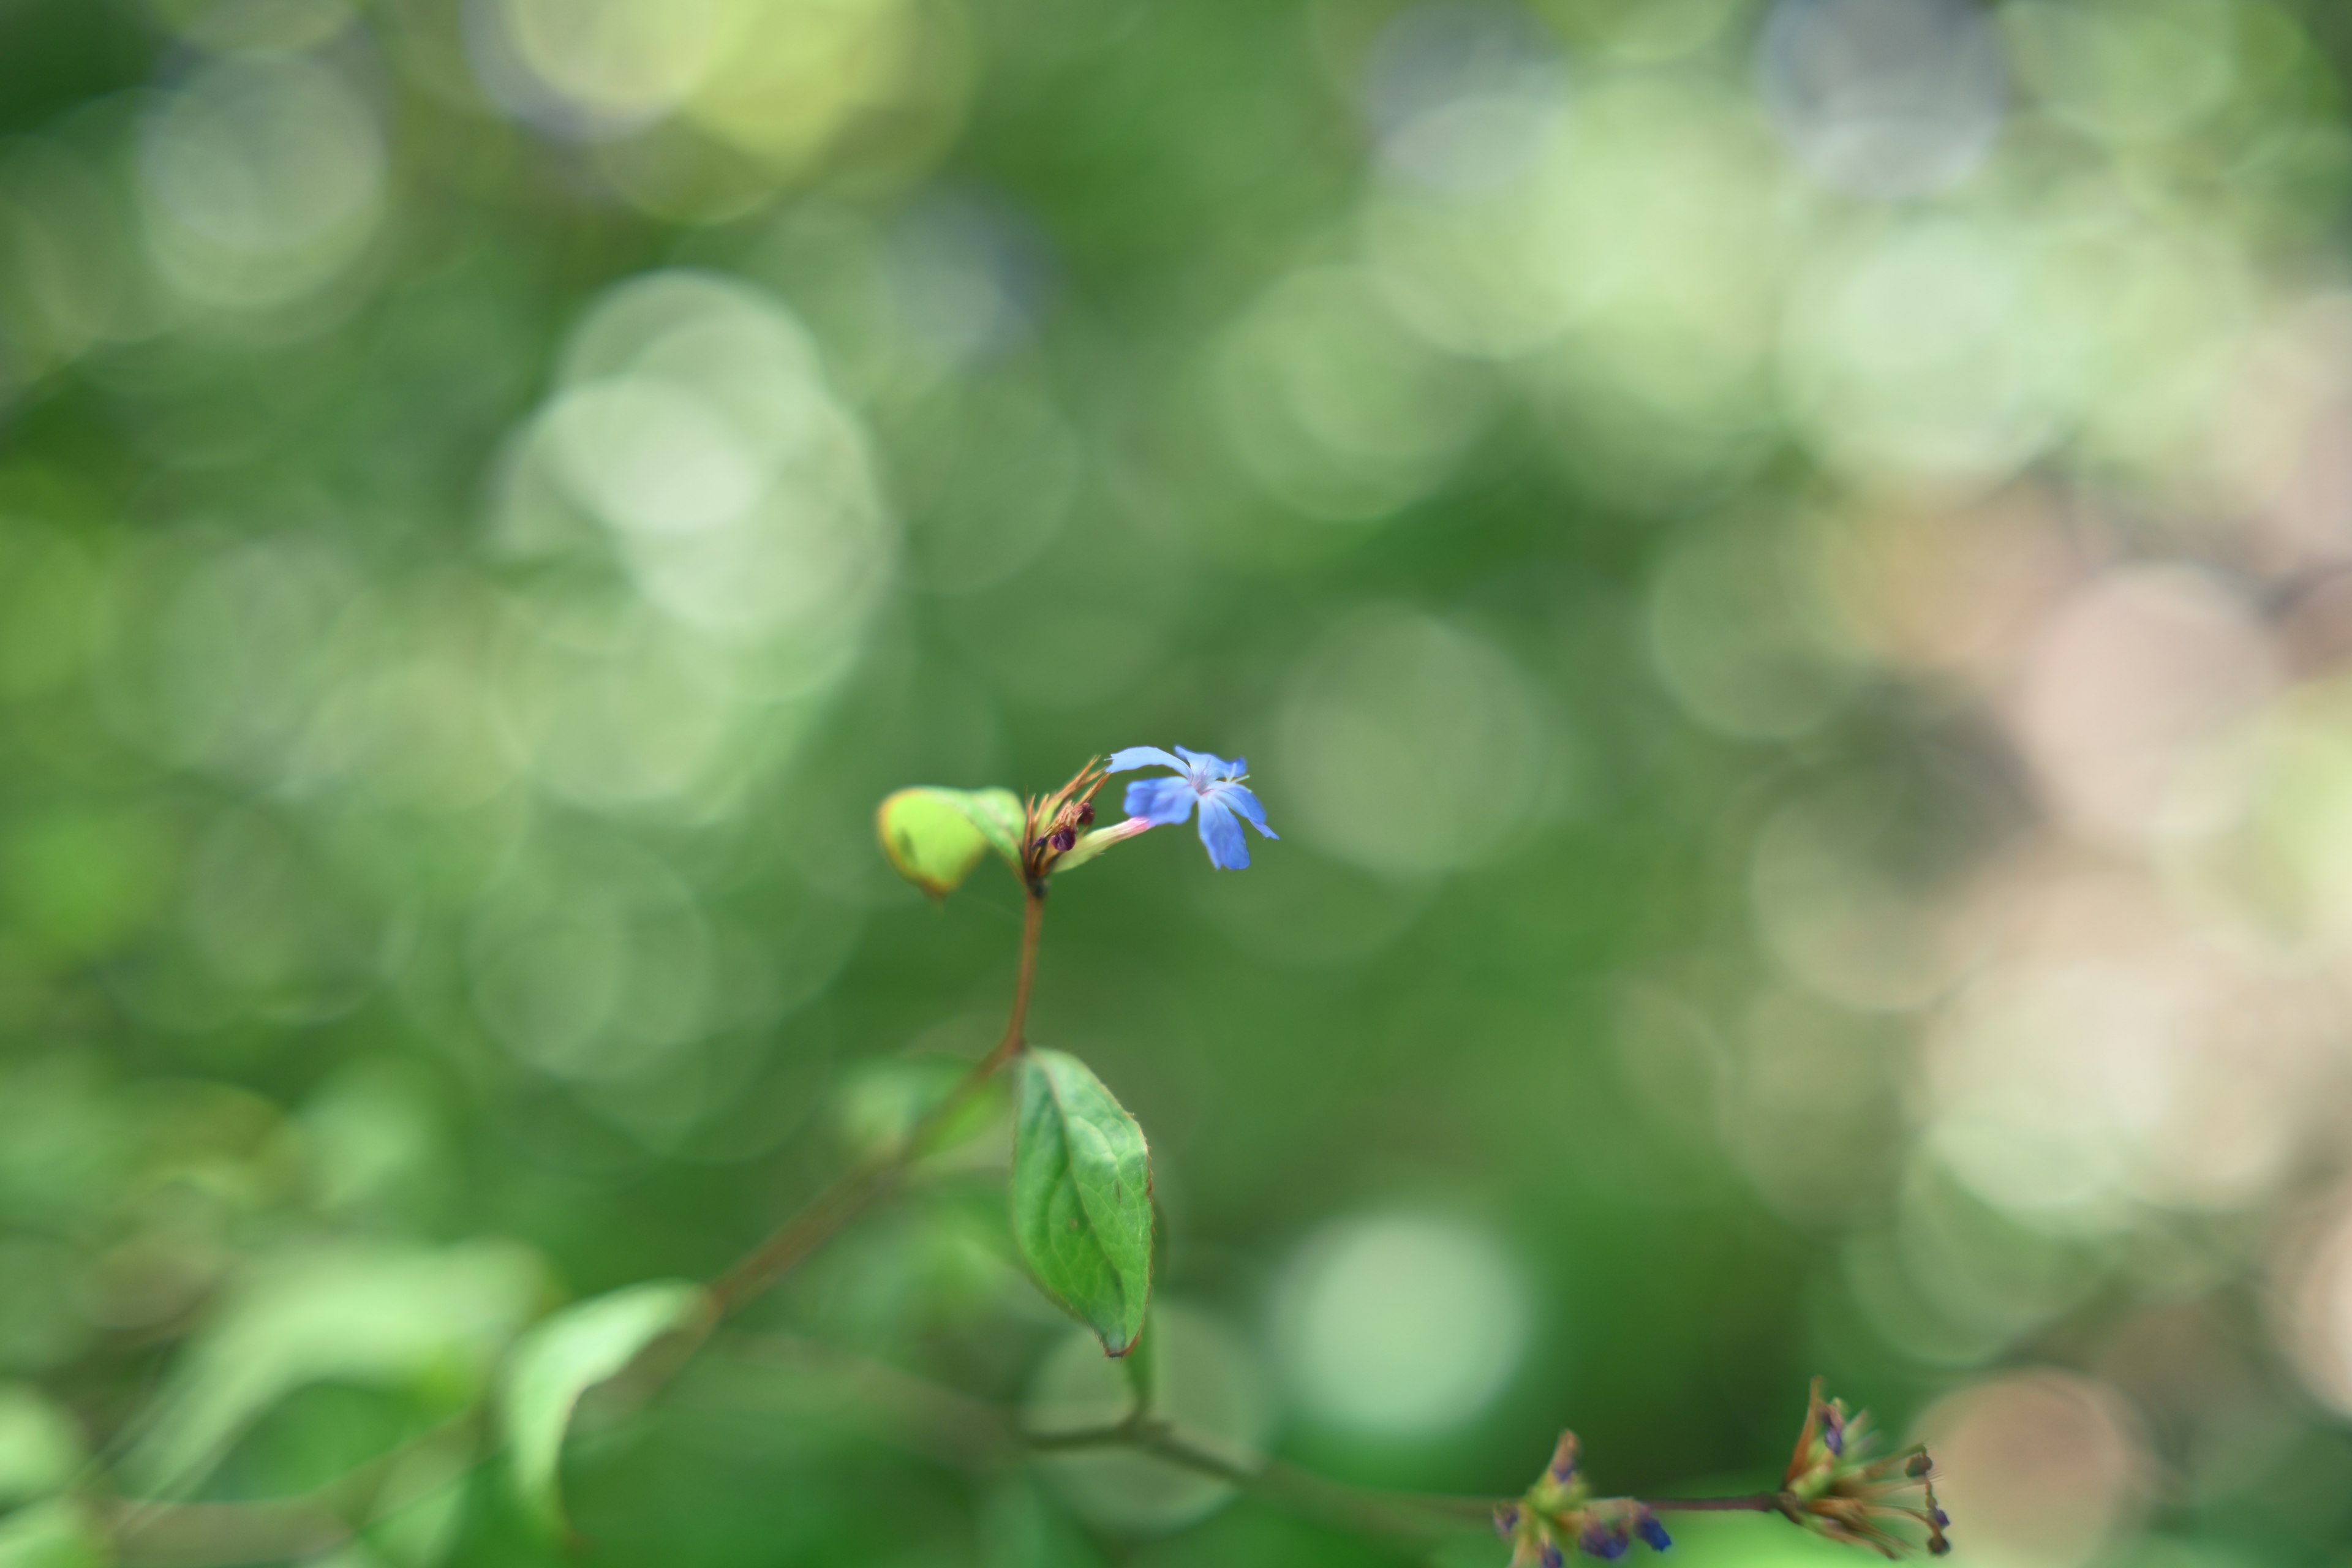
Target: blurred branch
point(827, 1215)
point(150, 1533)
point(968, 1432)
point(220, 1534)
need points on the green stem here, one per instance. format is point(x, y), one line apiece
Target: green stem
point(1136, 1363)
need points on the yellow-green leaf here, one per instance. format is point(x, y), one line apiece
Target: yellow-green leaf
point(935, 837)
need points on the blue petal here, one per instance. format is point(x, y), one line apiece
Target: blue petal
point(1239, 798)
point(1206, 765)
point(1223, 833)
point(1160, 801)
point(1143, 757)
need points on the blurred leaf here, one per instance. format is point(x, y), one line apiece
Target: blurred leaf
point(883, 1100)
point(935, 837)
point(39, 1447)
point(563, 1358)
point(374, 1315)
point(1082, 1197)
point(998, 815)
point(51, 1535)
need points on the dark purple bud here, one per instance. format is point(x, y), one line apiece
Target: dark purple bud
point(1655, 1533)
point(1086, 813)
point(1551, 1557)
point(1943, 1520)
point(1919, 1465)
point(1506, 1519)
point(1833, 1434)
point(1938, 1546)
point(1606, 1544)
point(1061, 839)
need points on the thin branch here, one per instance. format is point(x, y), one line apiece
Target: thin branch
point(1382, 1515)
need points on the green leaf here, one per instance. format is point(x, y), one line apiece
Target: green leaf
point(935, 837)
point(1082, 1197)
point(563, 1358)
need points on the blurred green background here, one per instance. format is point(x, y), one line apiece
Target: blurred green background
point(1781, 570)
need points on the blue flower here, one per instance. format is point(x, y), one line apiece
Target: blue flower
point(1211, 782)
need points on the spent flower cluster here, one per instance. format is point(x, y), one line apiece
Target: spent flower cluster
point(1835, 1487)
point(1560, 1513)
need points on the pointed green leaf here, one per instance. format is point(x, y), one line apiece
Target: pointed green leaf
point(935, 837)
point(1082, 1197)
point(563, 1358)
